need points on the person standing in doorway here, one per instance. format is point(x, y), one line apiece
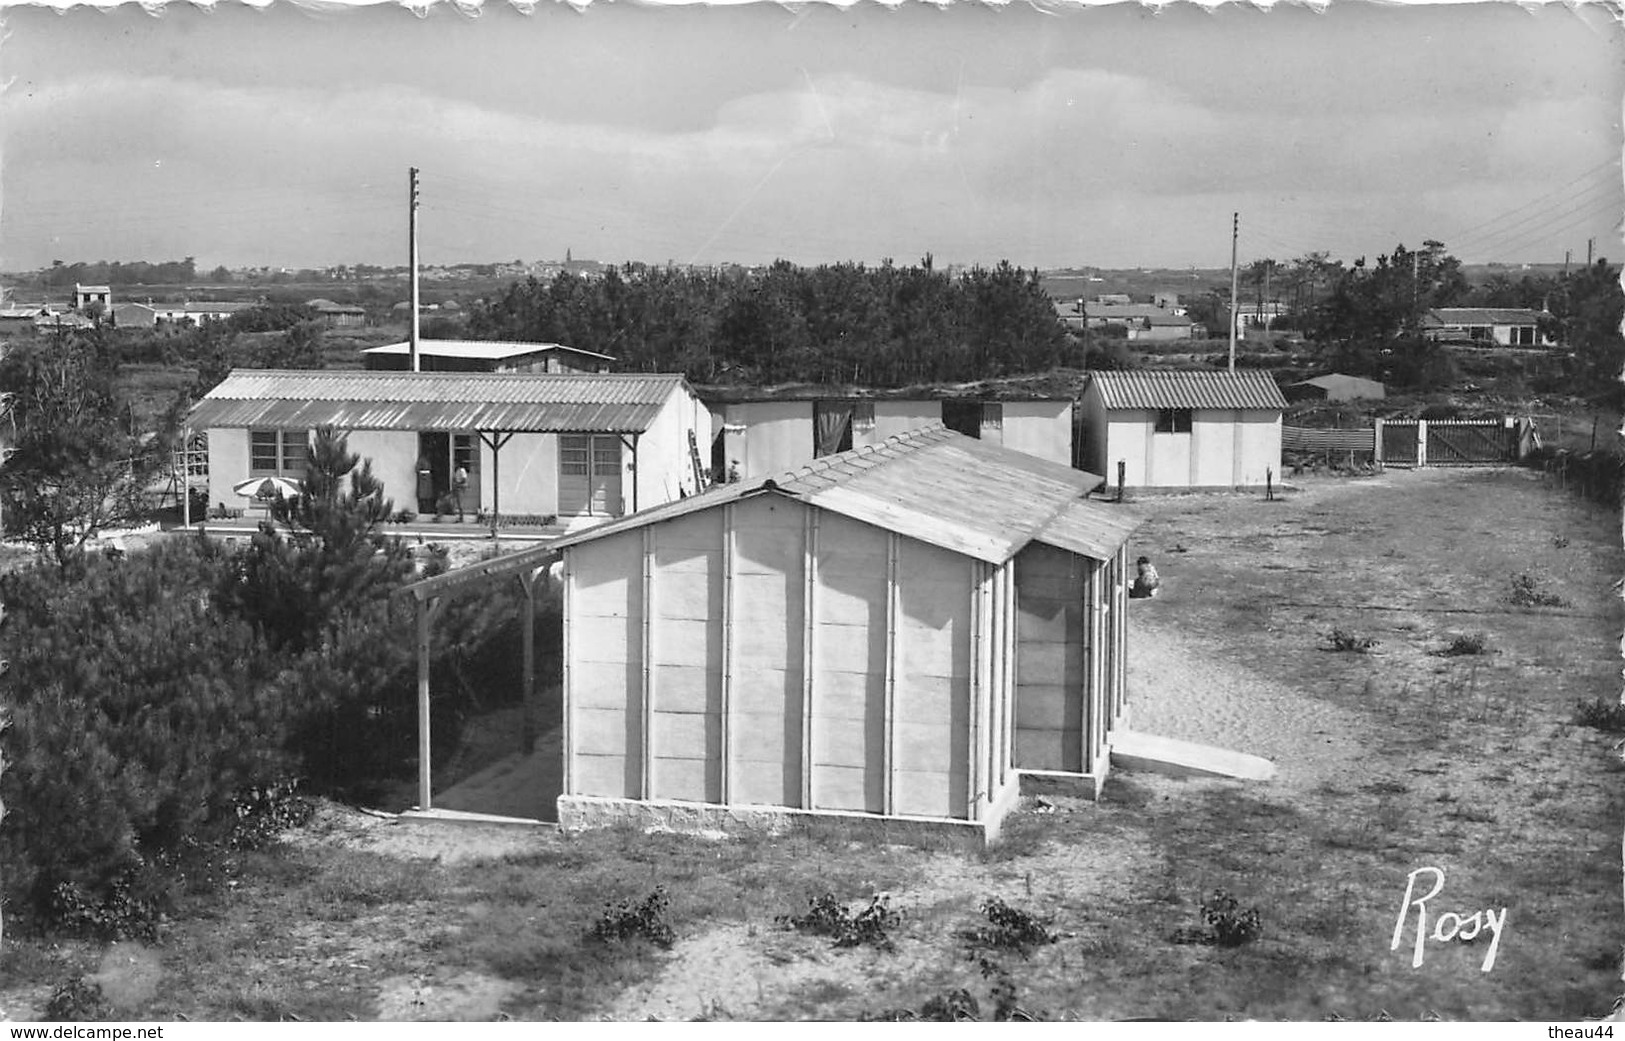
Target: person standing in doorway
point(459, 483)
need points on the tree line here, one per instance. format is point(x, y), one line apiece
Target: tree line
point(883, 326)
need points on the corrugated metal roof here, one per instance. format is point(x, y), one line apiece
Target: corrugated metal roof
point(1450, 316)
point(939, 487)
point(491, 350)
point(1249, 388)
point(519, 402)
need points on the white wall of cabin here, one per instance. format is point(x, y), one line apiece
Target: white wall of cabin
point(873, 727)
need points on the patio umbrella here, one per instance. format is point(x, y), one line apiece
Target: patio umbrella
point(267, 488)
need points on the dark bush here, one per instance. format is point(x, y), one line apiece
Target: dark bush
point(1346, 642)
point(647, 919)
point(137, 712)
point(1009, 928)
point(1229, 925)
point(827, 916)
point(75, 1001)
point(1601, 714)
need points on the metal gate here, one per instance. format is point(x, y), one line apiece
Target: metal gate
point(1467, 442)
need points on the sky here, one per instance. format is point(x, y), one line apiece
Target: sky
point(1051, 137)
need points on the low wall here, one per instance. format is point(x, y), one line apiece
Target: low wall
point(583, 813)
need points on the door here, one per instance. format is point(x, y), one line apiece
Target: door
point(465, 452)
point(589, 475)
point(433, 470)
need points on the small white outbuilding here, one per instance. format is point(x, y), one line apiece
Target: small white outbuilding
point(894, 632)
point(1180, 429)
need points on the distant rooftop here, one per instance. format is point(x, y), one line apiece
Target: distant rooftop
point(482, 350)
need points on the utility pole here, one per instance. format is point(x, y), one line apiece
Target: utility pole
point(1590, 244)
point(1269, 302)
point(1235, 232)
point(412, 231)
point(1566, 254)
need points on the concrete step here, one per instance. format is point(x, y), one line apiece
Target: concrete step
point(1133, 750)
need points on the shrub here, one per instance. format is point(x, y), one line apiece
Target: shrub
point(626, 920)
point(1526, 592)
point(137, 712)
point(1601, 714)
point(1342, 641)
point(1009, 928)
point(827, 916)
point(266, 811)
point(77, 1000)
point(1228, 924)
point(1476, 643)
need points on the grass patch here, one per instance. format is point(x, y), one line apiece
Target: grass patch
point(1601, 714)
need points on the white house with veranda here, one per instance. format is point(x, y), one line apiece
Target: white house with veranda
point(579, 447)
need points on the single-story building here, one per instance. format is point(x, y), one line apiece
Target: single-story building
point(485, 356)
point(1336, 386)
point(20, 319)
point(1151, 322)
point(761, 431)
point(84, 296)
point(134, 316)
point(1487, 326)
point(1183, 429)
point(579, 447)
point(893, 632)
point(338, 315)
point(61, 321)
point(190, 313)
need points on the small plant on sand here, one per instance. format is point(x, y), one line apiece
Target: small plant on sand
point(76, 1000)
point(1601, 714)
point(1008, 928)
point(827, 916)
point(1526, 592)
point(1347, 642)
point(626, 920)
point(961, 1006)
point(1467, 644)
point(1227, 924)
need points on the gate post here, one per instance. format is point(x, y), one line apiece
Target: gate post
point(1421, 443)
point(1376, 451)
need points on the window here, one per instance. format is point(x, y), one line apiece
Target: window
point(606, 456)
point(1174, 421)
point(278, 452)
point(573, 455)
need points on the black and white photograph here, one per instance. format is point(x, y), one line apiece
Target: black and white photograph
point(827, 513)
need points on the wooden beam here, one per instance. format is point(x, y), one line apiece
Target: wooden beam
point(527, 636)
point(646, 699)
point(565, 651)
point(809, 572)
point(888, 751)
point(725, 783)
point(978, 690)
point(425, 763)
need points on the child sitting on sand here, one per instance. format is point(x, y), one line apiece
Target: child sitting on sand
point(1146, 582)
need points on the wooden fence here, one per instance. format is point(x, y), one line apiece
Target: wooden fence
point(1419, 442)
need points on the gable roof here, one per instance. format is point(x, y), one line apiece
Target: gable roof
point(938, 487)
point(1448, 316)
point(1334, 380)
point(1151, 388)
point(622, 403)
point(485, 350)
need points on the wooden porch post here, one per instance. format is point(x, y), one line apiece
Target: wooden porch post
point(527, 730)
point(425, 766)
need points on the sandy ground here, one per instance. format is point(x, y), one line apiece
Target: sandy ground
point(1178, 688)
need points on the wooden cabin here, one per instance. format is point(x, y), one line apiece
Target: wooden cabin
point(894, 632)
point(1183, 429)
